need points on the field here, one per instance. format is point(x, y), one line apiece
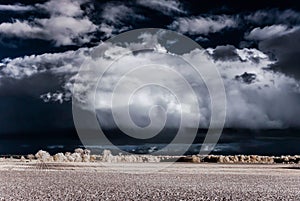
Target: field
point(144, 181)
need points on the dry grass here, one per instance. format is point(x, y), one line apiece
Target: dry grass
point(181, 181)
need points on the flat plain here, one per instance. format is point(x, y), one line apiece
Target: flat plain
point(148, 181)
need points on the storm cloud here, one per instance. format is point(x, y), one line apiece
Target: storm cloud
point(247, 102)
point(255, 50)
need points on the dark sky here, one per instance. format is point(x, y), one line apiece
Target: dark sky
point(43, 43)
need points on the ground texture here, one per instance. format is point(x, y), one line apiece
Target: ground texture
point(143, 181)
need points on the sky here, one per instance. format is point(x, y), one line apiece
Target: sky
point(43, 44)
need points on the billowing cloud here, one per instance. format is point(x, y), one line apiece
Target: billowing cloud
point(60, 63)
point(66, 25)
point(227, 52)
point(257, 97)
point(63, 30)
point(280, 41)
point(250, 88)
point(168, 7)
point(270, 32)
point(67, 30)
point(203, 25)
point(284, 49)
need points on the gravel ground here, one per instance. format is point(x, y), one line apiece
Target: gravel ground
point(181, 181)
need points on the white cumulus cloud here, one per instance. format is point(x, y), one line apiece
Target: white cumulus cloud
point(69, 8)
point(203, 25)
point(16, 7)
point(269, 32)
point(115, 18)
point(65, 26)
point(168, 7)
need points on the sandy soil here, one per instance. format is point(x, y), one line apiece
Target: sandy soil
point(180, 181)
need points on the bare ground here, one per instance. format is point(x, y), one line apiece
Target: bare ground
point(142, 181)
